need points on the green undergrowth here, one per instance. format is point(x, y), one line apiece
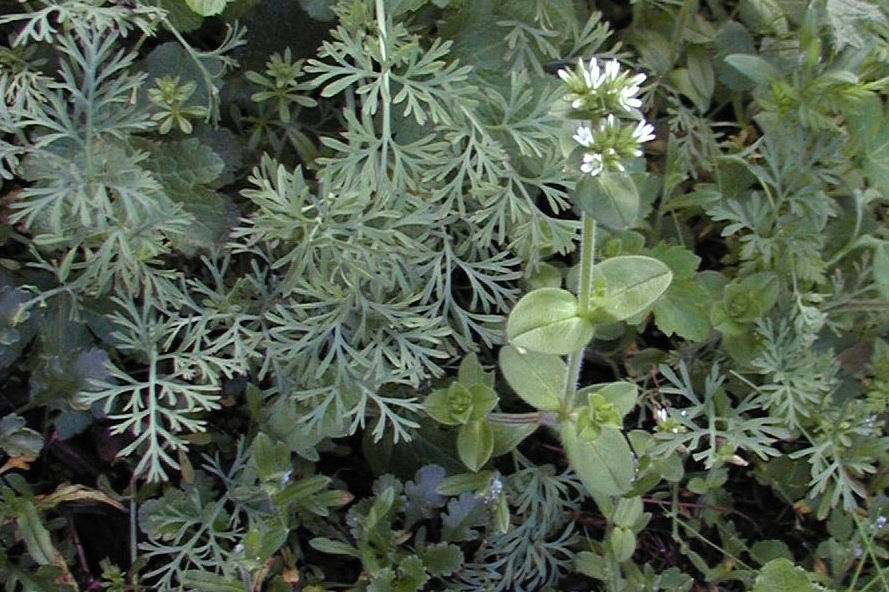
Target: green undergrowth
point(464, 295)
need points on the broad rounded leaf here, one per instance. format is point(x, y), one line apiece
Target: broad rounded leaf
point(537, 378)
point(546, 321)
point(605, 465)
point(632, 284)
point(207, 7)
point(611, 198)
point(781, 575)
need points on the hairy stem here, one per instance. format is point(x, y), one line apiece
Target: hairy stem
point(538, 418)
point(584, 291)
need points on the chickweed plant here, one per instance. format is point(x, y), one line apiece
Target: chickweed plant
point(421, 295)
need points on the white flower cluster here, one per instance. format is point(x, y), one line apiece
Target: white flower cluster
point(594, 88)
point(600, 93)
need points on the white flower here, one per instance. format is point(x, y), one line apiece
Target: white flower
point(661, 415)
point(644, 132)
point(611, 143)
point(627, 97)
point(584, 136)
point(612, 71)
point(599, 88)
point(592, 75)
point(592, 164)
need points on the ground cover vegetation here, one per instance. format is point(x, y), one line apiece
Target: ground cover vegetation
point(403, 295)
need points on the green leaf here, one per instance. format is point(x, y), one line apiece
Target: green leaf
point(591, 565)
point(701, 75)
point(475, 443)
point(545, 276)
point(471, 372)
point(207, 7)
point(629, 511)
point(320, 10)
point(681, 79)
point(263, 540)
point(205, 581)
point(185, 169)
point(437, 405)
point(622, 542)
point(684, 310)
point(681, 261)
point(781, 575)
point(754, 67)
point(869, 134)
point(326, 545)
point(765, 551)
point(622, 395)
point(464, 483)
point(34, 533)
point(484, 399)
point(464, 514)
point(171, 59)
point(271, 459)
point(180, 15)
point(538, 379)
point(431, 443)
point(546, 321)
point(442, 559)
point(508, 436)
point(302, 492)
point(611, 198)
point(764, 16)
point(605, 465)
point(849, 19)
point(632, 284)
point(732, 37)
point(746, 300)
point(16, 439)
point(409, 576)
point(881, 269)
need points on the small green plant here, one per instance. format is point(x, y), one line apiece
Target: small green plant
point(413, 295)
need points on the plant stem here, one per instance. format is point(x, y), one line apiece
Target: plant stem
point(537, 417)
point(587, 255)
point(134, 551)
point(584, 292)
point(385, 94)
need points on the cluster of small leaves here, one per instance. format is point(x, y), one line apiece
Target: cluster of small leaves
point(304, 250)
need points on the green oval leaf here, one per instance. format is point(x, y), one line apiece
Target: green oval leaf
point(622, 542)
point(204, 581)
point(464, 483)
point(546, 321)
point(207, 7)
point(475, 443)
point(611, 198)
point(537, 378)
point(781, 575)
point(604, 465)
point(753, 67)
point(632, 283)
